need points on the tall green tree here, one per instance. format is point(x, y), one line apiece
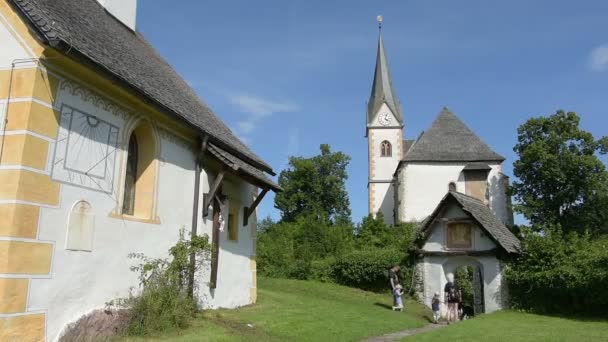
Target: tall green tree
point(315, 186)
point(561, 179)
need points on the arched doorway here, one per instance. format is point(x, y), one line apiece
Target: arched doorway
point(468, 275)
point(469, 280)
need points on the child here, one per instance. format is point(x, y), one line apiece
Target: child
point(435, 304)
point(398, 292)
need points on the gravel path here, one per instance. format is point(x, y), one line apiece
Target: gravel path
point(405, 333)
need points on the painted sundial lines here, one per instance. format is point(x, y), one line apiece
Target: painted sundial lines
point(85, 151)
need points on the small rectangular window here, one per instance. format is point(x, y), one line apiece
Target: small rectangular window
point(459, 235)
point(233, 227)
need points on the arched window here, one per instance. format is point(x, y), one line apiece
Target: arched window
point(386, 149)
point(140, 176)
point(128, 204)
point(452, 186)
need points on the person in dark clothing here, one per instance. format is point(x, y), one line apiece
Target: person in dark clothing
point(452, 296)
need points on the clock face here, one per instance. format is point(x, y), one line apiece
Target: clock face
point(384, 119)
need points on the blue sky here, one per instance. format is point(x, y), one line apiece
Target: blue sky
point(289, 75)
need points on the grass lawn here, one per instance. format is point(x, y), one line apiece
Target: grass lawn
point(516, 326)
point(302, 311)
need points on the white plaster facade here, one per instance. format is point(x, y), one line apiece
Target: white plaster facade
point(123, 10)
point(81, 281)
point(422, 185)
point(434, 268)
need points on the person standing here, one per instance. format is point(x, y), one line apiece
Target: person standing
point(452, 297)
point(393, 276)
point(436, 306)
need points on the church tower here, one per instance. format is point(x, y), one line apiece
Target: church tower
point(384, 134)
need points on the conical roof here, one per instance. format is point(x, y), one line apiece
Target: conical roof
point(449, 139)
point(382, 88)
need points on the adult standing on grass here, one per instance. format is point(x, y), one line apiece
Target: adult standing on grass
point(393, 277)
point(452, 297)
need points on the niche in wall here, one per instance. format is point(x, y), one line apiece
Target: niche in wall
point(81, 227)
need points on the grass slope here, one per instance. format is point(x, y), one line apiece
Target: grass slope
point(516, 327)
point(303, 311)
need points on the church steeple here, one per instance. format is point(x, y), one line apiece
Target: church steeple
point(382, 87)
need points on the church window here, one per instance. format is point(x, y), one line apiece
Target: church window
point(233, 222)
point(452, 186)
point(128, 203)
point(459, 235)
point(386, 149)
point(140, 175)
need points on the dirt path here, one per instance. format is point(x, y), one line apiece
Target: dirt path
point(405, 333)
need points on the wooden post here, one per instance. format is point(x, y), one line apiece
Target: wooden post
point(250, 210)
point(213, 192)
point(215, 244)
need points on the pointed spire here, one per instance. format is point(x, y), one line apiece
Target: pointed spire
point(382, 86)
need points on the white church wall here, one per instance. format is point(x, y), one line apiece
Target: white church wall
point(12, 47)
point(235, 277)
point(81, 281)
point(436, 268)
point(384, 200)
point(498, 184)
point(436, 241)
point(423, 185)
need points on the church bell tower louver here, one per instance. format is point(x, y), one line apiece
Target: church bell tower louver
point(384, 132)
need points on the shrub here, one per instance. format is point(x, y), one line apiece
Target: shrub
point(323, 269)
point(368, 269)
point(559, 273)
point(164, 300)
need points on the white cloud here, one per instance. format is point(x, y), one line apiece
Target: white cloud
point(245, 126)
point(255, 109)
point(260, 107)
point(598, 59)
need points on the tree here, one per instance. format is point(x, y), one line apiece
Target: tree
point(373, 232)
point(316, 186)
point(561, 179)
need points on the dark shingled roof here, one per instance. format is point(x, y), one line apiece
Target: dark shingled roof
point(407, 145)
point(382, 88)
point(477, 166)
point(239, 166)
point(85, 28)
point(449, 139)
point(484, 217)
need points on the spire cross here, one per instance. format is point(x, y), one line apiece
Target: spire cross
point(379, 19)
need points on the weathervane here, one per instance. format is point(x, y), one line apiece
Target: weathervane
point(379, 19)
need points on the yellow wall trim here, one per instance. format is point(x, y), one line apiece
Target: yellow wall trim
point(253, 294)
point(13, 295)
point(29, 83)
point(26, 328)
point(34, 117)
point(134, 218)
point(25, 150)
point(22, 31)
point(18, 257)
point(28, 186)
point(19, 220)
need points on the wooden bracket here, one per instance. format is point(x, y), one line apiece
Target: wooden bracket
point(250, 210)
point(213, 192)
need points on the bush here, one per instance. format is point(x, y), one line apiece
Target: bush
point(560, 274)
point(164, 301)
point(323, 269)
point(368, 269)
